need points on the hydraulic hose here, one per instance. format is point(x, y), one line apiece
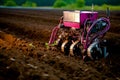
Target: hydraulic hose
point(87, 41)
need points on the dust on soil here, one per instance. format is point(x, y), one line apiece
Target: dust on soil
point(23, 55)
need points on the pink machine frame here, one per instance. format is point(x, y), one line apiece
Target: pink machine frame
point(76, 19)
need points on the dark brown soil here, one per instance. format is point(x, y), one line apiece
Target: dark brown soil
point(23, 55)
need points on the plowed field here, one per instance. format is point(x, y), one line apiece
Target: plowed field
point(23, 55)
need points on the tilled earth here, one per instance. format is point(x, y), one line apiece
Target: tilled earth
point(23, 55)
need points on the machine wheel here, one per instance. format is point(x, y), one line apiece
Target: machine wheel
point(74, 49)
point(94, 52)
point(66, 46)
point(59, 43)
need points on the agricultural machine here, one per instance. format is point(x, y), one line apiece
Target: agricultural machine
point(80, 33)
